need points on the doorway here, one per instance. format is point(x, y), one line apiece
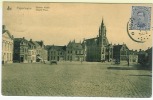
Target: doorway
point(21, 59)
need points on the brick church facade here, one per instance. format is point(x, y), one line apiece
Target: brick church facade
point(98, 49)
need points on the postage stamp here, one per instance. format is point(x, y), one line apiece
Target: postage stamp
point(140, 18)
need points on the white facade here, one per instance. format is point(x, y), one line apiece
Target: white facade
point(7, 48)
point(31, 55)
point(133, 58)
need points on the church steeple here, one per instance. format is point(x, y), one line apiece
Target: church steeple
point(99, 31)
point(102, 23)
point(102, 33)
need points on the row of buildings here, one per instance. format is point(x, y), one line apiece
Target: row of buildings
point(21, 50)
point(96, 49)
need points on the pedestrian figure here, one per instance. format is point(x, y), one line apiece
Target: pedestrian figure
point(81, 61)
point(128, 61)
point(44, 62)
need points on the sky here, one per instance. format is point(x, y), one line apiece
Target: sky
point(58, 23)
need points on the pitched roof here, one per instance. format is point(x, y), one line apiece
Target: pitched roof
point(149, 50)
point(20, 39)
point(141, 52)
point(74, 45)
point(47, 47)
point(30, 44)
point(40, 43)
point(118, 47)
point(35, 43)
point(91, 41)
point(133, 52)
point(6, 31)
point(17, 41)
point(58, 48)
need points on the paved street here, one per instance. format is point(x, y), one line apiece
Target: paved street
point(75, 79)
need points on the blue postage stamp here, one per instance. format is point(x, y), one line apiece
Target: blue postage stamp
point(140, 18)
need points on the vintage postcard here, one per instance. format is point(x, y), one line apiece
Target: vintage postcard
point(77, 49)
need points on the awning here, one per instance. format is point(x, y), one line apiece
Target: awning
point(39, 57)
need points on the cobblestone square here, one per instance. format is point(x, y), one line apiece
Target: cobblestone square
point(89, 79)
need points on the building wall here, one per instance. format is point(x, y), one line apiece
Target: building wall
point(44, 54)
point(133, 58)
point(116, 54)
point(124, 53)
point(24, 52)
point(7, 48)
point(121, 53)
point(109, 53)
point(57, 55)
point(31, 55)
point(93, 53)
point(75, 54)
point(20, 51)
point(103, 53)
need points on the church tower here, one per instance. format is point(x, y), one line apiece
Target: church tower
point(103, 42)
point(102, 34)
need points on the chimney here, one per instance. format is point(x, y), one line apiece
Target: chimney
point(23, 37)
point(12, 37)
point(4, 27)
point(30, 39)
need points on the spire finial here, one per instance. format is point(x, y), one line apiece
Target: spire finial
point(102, 23)
point(102, 19)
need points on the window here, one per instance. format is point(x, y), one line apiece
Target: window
point(8, 47)
point(79, 52)
point(123, 52)
point(54, 52)
point(70, 57)
point(5, 46)
point(21, 49)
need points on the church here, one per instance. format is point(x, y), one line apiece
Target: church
point(98, 48)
